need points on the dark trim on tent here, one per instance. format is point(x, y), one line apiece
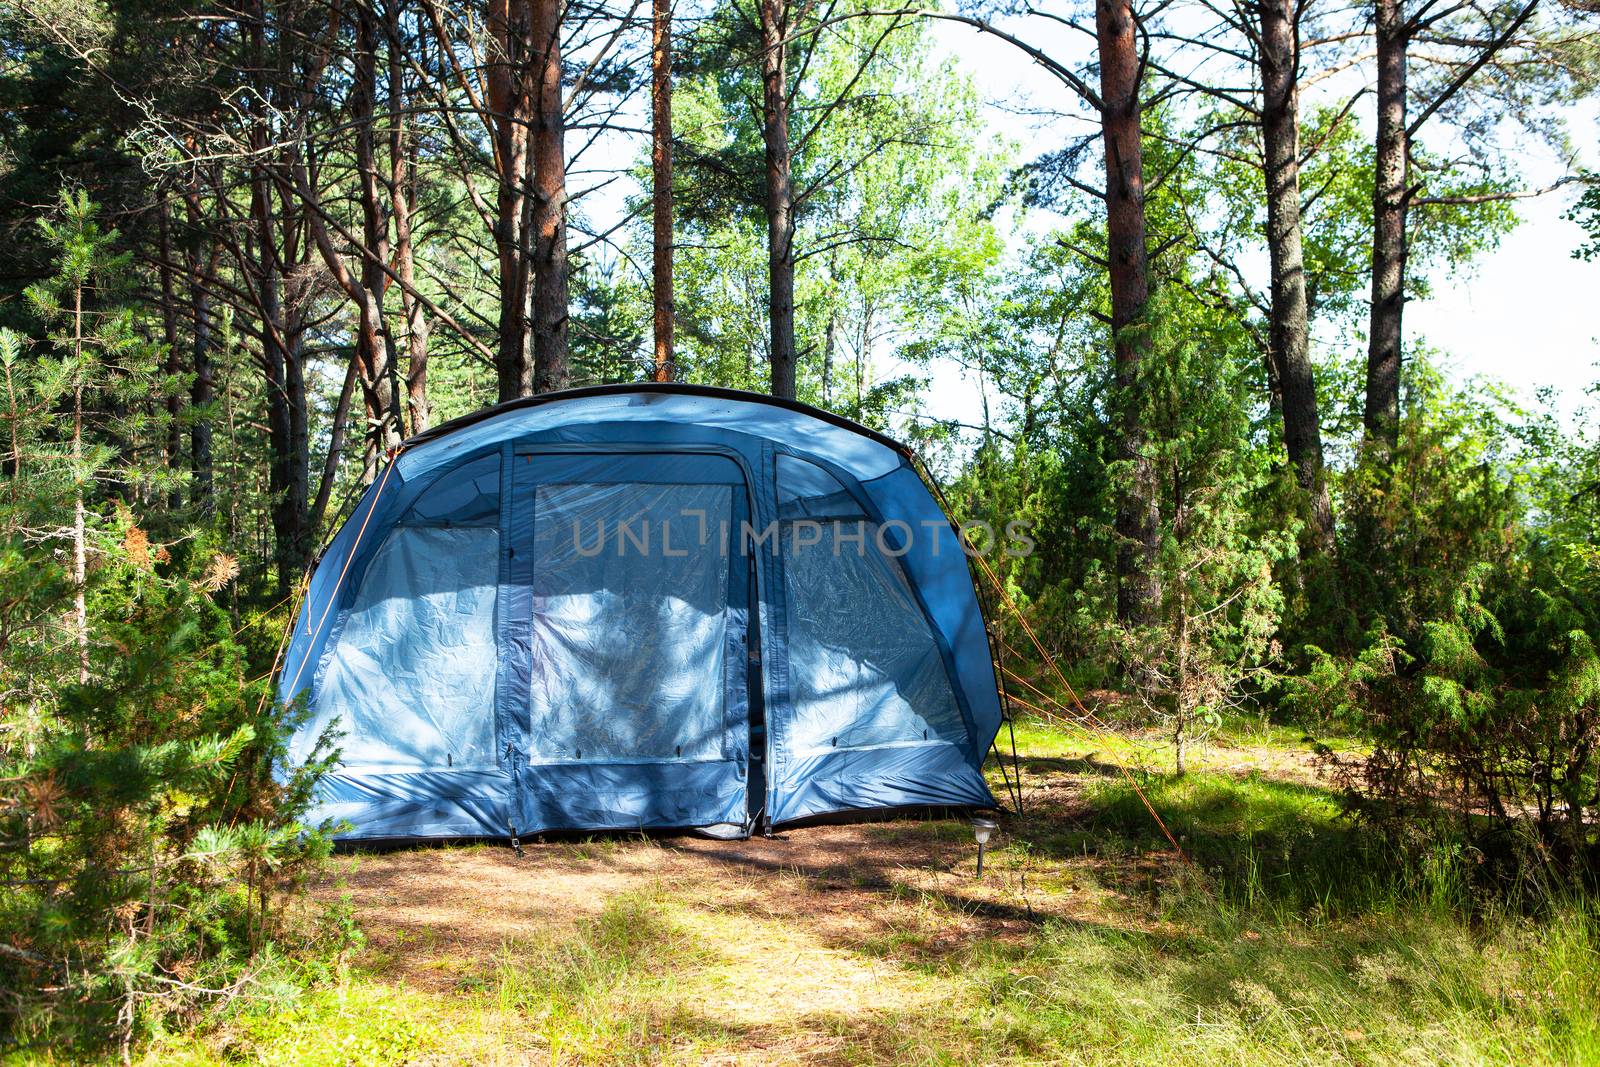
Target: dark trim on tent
point(444, 429)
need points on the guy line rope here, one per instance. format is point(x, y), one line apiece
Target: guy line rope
point(1085, 717)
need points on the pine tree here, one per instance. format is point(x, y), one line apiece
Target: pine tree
point(80, 410)
point(140, 773)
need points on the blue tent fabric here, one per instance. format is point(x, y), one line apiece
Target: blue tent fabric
point(646, 606)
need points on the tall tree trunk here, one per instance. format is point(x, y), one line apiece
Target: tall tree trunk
point(203, 389)
point(1391, 194)
point(336, 444)
point(780, 194)
point(861, 378)
point(1381, 416)
point(174, 362)
point(80, 532)
point(551, 369)
point(288, 436)
point(271, 254)
point(829, 341)
point(661, 183)
point(401, 195)
point(510, 25)
point(296, 502)
point(375, 344)
point(374, 354)
point(1290, 340)
point(1138, 515)
point(275, 358)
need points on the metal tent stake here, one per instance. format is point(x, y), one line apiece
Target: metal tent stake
point(981, 829)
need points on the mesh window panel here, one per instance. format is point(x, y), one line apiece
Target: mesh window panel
point(466, 496)
point(864, 668)
point(412, 675)
point(630, 614)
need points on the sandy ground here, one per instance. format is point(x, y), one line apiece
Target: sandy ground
point(808, 936)
point(433, 909)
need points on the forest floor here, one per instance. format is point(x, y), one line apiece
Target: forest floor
point(1086, 940)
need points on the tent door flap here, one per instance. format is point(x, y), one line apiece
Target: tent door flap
point(635, 703)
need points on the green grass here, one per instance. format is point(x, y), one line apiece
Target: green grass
point(1211, 985)
point(1291, 940)
point(1229, 987)
point(608, 992)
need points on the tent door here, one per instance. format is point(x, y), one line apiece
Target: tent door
point(637, 673)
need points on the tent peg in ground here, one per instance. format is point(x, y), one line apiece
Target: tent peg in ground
point(981, 830)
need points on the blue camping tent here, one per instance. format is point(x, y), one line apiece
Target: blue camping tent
point(642, 606)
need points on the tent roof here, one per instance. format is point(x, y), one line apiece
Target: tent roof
point(862, 451)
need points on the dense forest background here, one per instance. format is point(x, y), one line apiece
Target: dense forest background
point(247, 250)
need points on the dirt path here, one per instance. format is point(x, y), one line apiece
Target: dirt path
point(805, 947)
point(431, 913)
point(777, 946)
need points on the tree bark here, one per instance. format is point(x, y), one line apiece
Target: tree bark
point(173, 363)
point(203, 389)
point(274, 249)
point(1138, 515)
point(510, 24)
point(374, 342)
point(1381, 416)
point(1290, 339)
point(551, 369)
point(401, 194)
point(661, 190)
point(80, 534)
point(336, 445)
point(780, 195)
point(1391, 197)
point(297, 498)
point(829, 340)
point(276, 357)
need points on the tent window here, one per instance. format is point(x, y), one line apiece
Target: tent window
point(805, 490)
point(630, 622)
point(412, 674)
point(864, 667)
point(466, 496)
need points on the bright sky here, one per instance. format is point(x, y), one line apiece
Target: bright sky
point(1527, 314)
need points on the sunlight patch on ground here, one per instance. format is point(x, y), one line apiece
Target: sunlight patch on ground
point(1086, 941)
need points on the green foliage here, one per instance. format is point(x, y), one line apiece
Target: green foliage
point(1472, 565)
point(1453, 624)
point(1217, 638)
point(147, 814)
point(893, 183)
point(1336, 690)
point(71, 402)
point(1586, 213)
point(1299, 937)
point(1224, 539)
point(150, 835)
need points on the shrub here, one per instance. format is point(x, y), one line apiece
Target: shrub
point(147, 814)
point(1479, 685)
